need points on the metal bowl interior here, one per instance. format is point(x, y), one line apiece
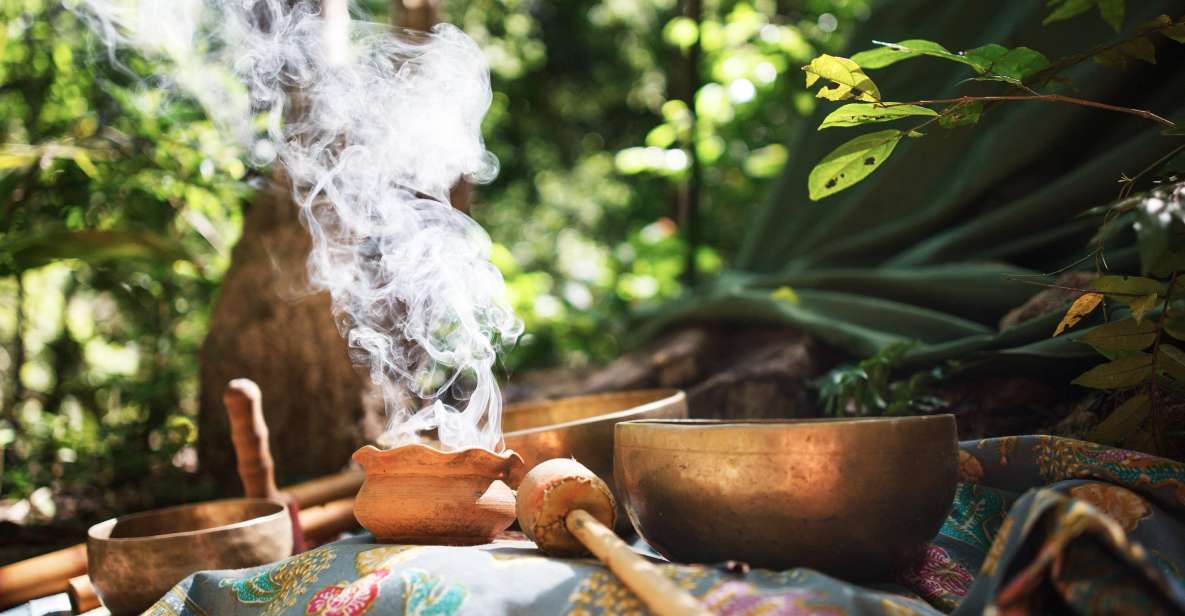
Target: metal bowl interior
point(854, 498)
point(136, 559)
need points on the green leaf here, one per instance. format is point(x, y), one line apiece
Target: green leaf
point(846, 79)
point(1175, 327)
point(962, 114)
point(851, 162)
point(1124, 420)
point(1118, 374)
point(892, 53)
point(1112, 12)
point(1066, 9)
point(1140, 49)
point(90, 246)
point(1012, 64)
point(1143, 305)
point(1117, 336)
point(855, 114)
point(1127, 288)
point(1175, 32)
point(1172, 360)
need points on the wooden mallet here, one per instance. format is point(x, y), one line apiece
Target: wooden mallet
point(567, 510)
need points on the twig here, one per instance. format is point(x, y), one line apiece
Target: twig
point(1046, 98)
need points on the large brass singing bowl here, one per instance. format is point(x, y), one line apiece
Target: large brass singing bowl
point(134, 560)
point(853, 498)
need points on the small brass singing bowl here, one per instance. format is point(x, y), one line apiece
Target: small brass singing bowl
point(853, 498)
point(581, 427)
point(135, 559)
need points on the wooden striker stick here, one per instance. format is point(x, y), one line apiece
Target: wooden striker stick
point(248, 432)
point(565, 508)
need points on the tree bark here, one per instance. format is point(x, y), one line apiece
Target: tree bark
point(267, 326)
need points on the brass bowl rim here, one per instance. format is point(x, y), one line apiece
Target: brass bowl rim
point(92, 536)
point(668, 395)
point(710, 424)
point(677, 434)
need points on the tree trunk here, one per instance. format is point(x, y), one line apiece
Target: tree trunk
point(267, 326)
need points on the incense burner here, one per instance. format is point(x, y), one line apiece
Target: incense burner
point(853, 498)
point(419, 494)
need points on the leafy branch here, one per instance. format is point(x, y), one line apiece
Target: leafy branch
point(845, 79)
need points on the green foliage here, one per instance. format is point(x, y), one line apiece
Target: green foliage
point(118, 204)
point(1019, 68)
point(867, 388)
point(1111, 11)
point(586, 213)
point(1142, 356)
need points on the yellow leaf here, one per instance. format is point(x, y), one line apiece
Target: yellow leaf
point(1084, 305)
point(784, 294)
point(847, 79)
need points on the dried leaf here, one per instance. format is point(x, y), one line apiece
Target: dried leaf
point(1119, 374)
point(1084, 305)
point(1119, 336)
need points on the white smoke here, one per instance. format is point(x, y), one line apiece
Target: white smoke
point(373, 129)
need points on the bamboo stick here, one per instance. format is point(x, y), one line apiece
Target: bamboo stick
point(41, 575)
point(82, 594)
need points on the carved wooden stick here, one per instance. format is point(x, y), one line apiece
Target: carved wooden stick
point(248, 432)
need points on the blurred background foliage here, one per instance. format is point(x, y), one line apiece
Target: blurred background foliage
point(119, 205)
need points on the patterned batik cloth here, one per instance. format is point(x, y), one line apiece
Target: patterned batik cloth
point(1039, 525)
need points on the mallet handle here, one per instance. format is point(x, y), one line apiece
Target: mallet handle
point(656, 590)
point(248, 432)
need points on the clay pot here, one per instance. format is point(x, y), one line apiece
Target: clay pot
point(418, 494)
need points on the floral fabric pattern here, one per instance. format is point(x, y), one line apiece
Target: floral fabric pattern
point(1121, 504)
point(347, 598)
point(1037, 524)
point(939, 578)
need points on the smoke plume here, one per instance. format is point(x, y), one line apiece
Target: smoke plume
point(373, 128)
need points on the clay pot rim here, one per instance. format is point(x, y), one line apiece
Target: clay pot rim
point(468, 461)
